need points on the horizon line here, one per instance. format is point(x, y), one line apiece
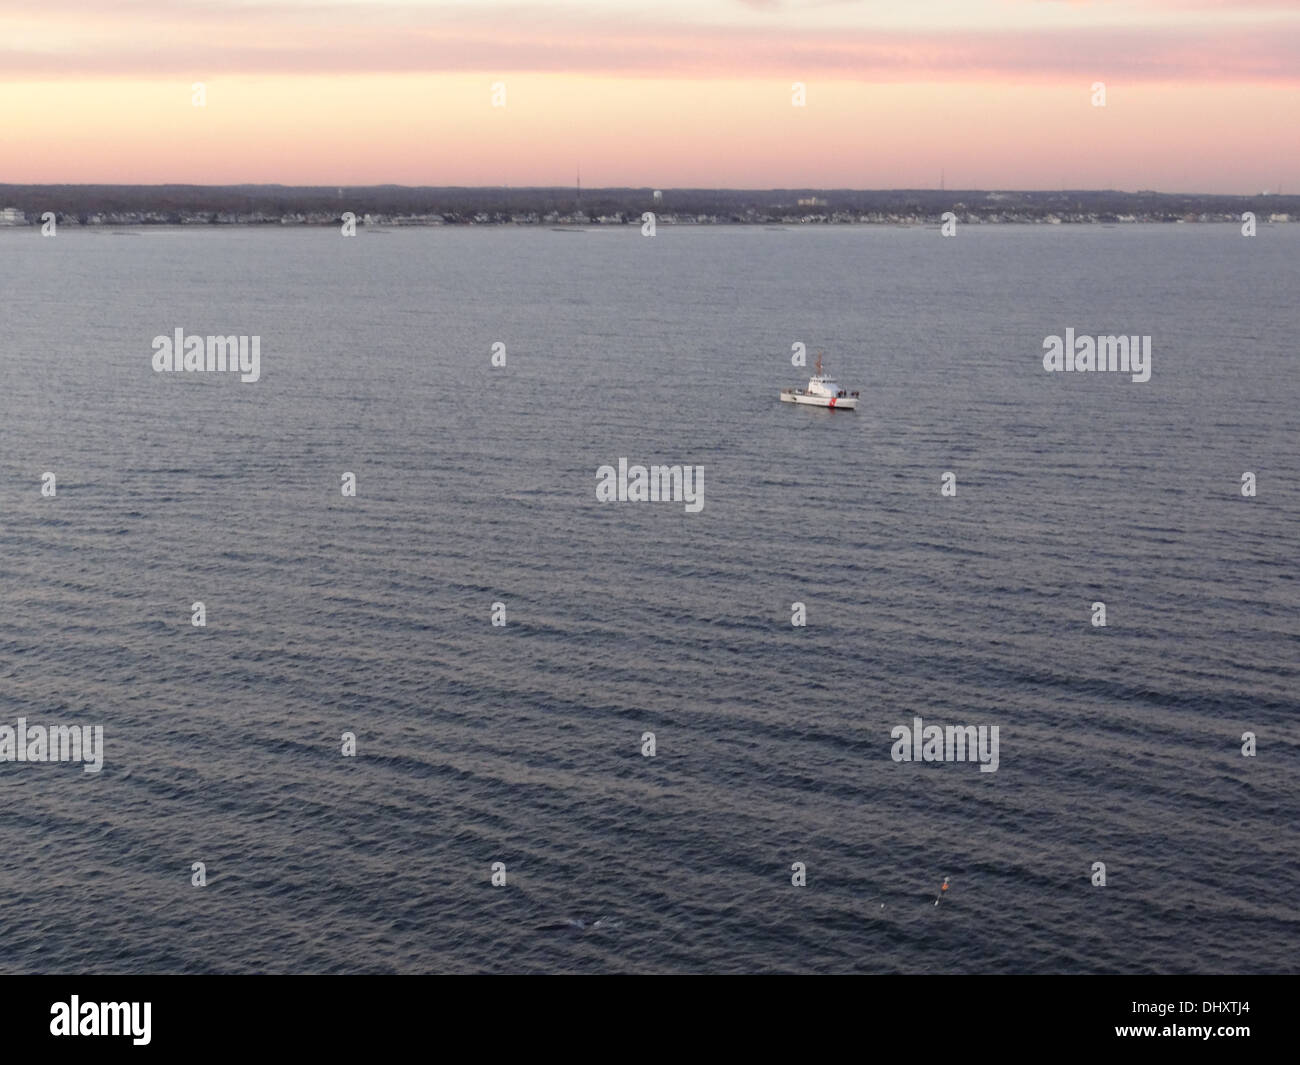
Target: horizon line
point(619, 188)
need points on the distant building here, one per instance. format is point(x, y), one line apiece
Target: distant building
point(11, 216)
point(812, 202)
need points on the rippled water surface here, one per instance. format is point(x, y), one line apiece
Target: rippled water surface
point(522, 744)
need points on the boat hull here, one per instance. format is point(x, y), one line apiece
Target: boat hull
point(831, 402)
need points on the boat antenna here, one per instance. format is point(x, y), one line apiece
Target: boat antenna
point(819, 364)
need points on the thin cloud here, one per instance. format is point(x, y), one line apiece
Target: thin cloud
point(146, 39)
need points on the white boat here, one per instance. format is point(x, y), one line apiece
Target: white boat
point(821, 392)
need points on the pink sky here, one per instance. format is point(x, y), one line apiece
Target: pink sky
point(1201, 95)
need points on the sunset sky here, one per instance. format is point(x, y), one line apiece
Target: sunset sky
point(1201, 95)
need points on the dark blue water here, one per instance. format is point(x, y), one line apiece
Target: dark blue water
point(521, 744)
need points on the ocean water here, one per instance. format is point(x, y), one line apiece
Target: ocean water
point(521, 743)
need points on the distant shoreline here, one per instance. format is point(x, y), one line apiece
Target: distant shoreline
point(109, 227)
point(398, 207)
